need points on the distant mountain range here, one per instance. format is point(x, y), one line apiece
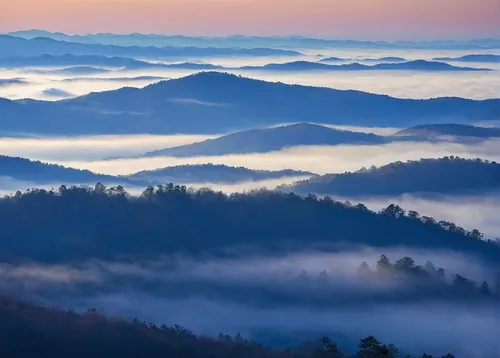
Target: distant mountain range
point(211, 173)
point(12, 81)
point(483, 58)
point(137, 39)
point(17, 46)
point(214, 102)
point(97, 60)
point(115, 79)
point(458, 130)
point(380, 59)
point(77, 70)
point(57, 93)
point(59, 36)
point(80, 62)
point(449, 175)
point(68, 60)
point(418, 65)
point(268, 140)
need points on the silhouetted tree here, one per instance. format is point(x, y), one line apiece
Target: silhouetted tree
point(364, 269)
point(485, 289)
point(405, 263)
point(413, 214)
point(383, 264)
point(393, 210)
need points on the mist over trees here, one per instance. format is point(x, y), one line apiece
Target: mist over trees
point(286, 273)
point(29, 330)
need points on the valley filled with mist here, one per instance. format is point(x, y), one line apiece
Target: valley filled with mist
point(250, 189)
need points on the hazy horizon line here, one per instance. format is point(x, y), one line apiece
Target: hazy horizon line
point(269, 36)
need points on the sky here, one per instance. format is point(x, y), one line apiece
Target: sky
point(357, 19)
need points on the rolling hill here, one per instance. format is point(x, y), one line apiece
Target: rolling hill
point(17, 46)
point(483, 58)
point(44, 173)
point(30, 330)
point(380, 59)
point(39, 173)
point(68, 60)
point(210, 173)
point(449, 175)
point(213, 102)
point(76, 70)
point(455, 130)
point(418, 65)
point(268, 140)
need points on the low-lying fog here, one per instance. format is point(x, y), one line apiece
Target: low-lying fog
point(91, 147)
point(316, 159)
point(404, 84)
point(275, 298)
point(480, 212)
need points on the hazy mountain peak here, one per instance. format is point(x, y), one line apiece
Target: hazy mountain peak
point(270, 139)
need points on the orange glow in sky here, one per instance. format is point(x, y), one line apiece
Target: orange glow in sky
point(383, 19)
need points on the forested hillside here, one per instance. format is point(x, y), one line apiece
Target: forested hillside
point(449, 175)
point(81, 222)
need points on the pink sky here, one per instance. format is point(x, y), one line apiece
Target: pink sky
point(383, 19)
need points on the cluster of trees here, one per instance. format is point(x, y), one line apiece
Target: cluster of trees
point(369, 347)
point(397, 211)
point(27, 330)
point(408, 282)
point(78, 222)
point(426, 275)
point(445, 176)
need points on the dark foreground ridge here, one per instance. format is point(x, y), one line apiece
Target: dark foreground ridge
point(28, 330)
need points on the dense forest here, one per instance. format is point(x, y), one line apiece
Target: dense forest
point(27, 330)
point(80, 222)
point(448, 175)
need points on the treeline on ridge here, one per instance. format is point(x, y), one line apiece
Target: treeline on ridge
point(445, 176)
point(74, 223)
